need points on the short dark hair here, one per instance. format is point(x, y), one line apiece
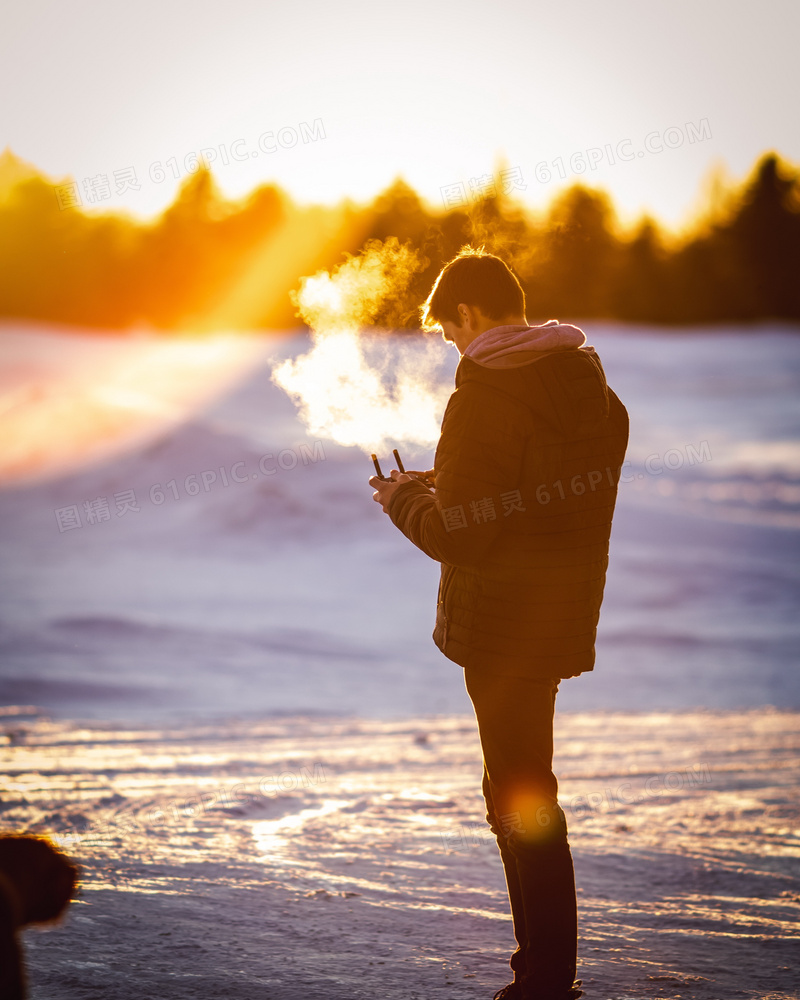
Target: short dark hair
point(475, 278)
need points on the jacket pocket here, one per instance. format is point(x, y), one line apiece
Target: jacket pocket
point(443, 607)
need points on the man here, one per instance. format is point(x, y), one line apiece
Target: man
point(525, 482)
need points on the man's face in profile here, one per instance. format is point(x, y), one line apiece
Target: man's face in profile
point(450, 331)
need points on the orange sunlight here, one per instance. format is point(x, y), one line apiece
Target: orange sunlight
point(301, 240)
point(70, 401)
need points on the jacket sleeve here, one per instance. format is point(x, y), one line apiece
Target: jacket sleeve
point(478, 466)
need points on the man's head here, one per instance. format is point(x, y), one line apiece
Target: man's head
point(474, 292)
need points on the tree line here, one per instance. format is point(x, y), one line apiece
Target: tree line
point(206, 261)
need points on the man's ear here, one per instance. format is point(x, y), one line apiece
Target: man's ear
point(468, 315)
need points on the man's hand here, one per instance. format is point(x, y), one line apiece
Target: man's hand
point(427, 477)
point(384, 490)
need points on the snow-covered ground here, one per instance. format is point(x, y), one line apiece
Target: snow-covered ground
point(337, 858)
point(253, 620)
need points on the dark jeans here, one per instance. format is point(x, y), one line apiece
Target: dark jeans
point(515, 722)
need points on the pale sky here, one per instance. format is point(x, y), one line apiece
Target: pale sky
point(441, 93)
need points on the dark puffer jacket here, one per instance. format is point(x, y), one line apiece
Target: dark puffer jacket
point(526, 474)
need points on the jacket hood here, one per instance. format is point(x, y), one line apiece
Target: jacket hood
point(516, 346)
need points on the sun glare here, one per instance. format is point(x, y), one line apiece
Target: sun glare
point(69, 412)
